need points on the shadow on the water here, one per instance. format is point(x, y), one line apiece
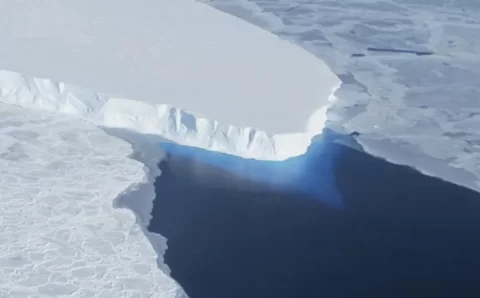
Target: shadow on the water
point(396, 233)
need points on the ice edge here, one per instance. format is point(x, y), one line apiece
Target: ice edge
point(171, 123)
point(139, 197)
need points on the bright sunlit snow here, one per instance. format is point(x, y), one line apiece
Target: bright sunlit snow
point(59, 232)
point(252, 93)
point(410, 72)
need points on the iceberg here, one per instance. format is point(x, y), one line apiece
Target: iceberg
point(179, 69)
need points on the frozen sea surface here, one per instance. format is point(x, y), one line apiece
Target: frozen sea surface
point(60, 233)
point(397, 232)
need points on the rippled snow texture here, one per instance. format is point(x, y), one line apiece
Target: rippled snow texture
point(59, 232)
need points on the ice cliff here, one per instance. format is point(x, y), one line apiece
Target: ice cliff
point(178, 69)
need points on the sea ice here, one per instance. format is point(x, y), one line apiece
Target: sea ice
point(60, 234)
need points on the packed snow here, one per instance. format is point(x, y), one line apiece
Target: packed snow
point(60, 234)
point(173, 67)
point(410, 73)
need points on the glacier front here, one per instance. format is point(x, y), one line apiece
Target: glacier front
point(179, 69)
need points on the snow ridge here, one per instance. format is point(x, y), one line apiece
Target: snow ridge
point(171, 123)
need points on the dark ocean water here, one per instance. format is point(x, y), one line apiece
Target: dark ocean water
point(335, 223)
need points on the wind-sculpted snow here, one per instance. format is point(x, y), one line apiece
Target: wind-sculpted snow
point(410, 73)
point(198, 75)
point(60, 235)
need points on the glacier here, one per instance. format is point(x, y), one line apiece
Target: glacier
point(165, 120)
point(216, 81)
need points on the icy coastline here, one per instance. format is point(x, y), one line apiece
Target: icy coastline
point(62, 231)
point(158, 119)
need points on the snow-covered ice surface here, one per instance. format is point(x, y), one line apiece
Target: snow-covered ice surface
point(242, 90)
point(410, 71)
point(60, 235)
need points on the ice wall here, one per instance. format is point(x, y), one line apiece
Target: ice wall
point(235, 87)
point(162, 120)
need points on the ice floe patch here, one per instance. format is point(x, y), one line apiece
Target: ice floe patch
point(60, 234)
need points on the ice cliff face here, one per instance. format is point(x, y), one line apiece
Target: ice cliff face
point(179, 69)
point(163, 120)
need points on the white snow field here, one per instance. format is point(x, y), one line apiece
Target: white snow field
point(418, 110)
point(60, 235)
point(177, 68)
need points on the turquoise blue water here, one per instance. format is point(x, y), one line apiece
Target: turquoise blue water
point(338, 223)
